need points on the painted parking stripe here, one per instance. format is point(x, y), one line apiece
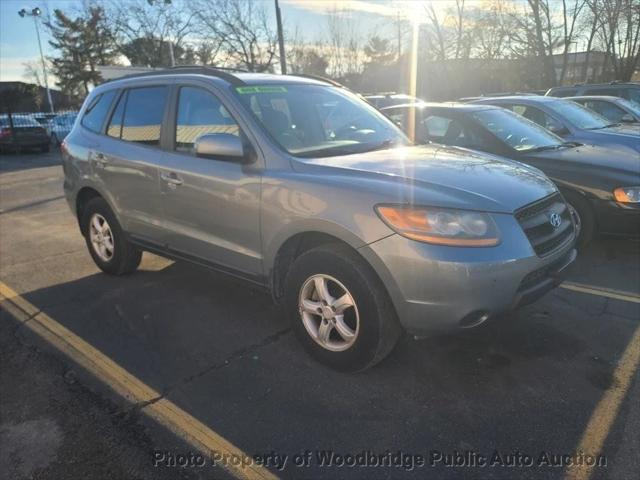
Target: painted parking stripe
point(128, 386)
point(606, 411)
point(602, 292)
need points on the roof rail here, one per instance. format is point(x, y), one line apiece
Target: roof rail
point(319, 78)
point(200, 70)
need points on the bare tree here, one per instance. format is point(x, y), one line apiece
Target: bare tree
point(344, 44)
point(620, 33)
point(570, 17)
point(242, 29)
point(153, 32)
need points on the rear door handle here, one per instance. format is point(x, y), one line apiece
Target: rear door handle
point(172, 179)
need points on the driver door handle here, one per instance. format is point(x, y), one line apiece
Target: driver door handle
point(171, 178)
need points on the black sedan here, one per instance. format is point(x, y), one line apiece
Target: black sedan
point(22, 132)
point(601, 184)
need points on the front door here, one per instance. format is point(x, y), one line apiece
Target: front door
point(211, 205)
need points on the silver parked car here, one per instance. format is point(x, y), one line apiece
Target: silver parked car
point(301, 187)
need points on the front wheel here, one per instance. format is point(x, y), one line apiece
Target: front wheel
point(339, 309)
point(106, 241)
point(584, 217)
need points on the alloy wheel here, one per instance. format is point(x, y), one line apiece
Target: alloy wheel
point(329, 312)
point(101, 237)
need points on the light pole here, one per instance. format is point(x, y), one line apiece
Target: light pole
point(283, 58)
point(35, 13)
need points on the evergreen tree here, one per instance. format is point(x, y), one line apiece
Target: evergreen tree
point(83, 43)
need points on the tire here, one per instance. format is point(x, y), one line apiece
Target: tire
point(119, 257)
point(372, 318)
point(586, 218)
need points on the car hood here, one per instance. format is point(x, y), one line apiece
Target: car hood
point(612, 157)
point(450, 176)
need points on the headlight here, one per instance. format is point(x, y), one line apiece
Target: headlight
point(627, 194)
point(442, 226)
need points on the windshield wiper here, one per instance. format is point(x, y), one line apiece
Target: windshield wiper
point(605, 126)
point(544, 148)
point(347, 149)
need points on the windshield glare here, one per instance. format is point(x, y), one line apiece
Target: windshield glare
point(318, 120)
point(579, 116)
point(516, 131)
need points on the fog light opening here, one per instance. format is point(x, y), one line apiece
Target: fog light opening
point(474, 319)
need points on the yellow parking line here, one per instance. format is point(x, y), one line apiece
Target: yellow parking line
point(602, 292)
point(134, 390)
point(606, 411)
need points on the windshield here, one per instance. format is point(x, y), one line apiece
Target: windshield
point(318, 120)
point(631, 106)
point(516, 131)
point(579, 116)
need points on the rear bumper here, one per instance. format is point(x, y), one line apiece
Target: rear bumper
point(441, 289)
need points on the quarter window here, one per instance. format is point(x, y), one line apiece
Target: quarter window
point(199, 113)
point(142, 119)
point(94, 116)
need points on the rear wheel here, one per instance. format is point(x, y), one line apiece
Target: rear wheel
point(584, 216)
point(106, 241)
point(339, 309)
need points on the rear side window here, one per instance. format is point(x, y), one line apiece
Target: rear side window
point(141, 118)
point(94, 116)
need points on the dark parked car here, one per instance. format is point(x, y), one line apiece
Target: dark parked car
point(25, 133)
point(628, 90)
point(601, 184)
point(381, 100)
point(571, 121)
point(615, 109)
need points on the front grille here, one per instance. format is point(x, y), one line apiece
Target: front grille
point(535, 221)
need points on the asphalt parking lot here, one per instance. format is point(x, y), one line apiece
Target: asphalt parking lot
point(552, 379)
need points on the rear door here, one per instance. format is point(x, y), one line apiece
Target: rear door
point(126, 159)
point(211, 205)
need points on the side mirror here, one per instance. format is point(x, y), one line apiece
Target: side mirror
point(627, 118)
point(223, 146)
point(559, 130)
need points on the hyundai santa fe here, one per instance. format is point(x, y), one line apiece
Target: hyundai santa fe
point(301, 187)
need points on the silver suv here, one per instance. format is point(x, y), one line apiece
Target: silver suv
point(298, 185)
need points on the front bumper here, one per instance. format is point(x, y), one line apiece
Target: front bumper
point(438, 289)
point(616, 219)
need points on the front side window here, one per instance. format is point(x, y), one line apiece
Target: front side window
point(448, 131)
point(199, 113)
point(95, 114)
point(143, 112)
point(537, 116)
point(319, 120)
point(515, 131)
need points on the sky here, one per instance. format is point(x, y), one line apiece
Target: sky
point(18, 43)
